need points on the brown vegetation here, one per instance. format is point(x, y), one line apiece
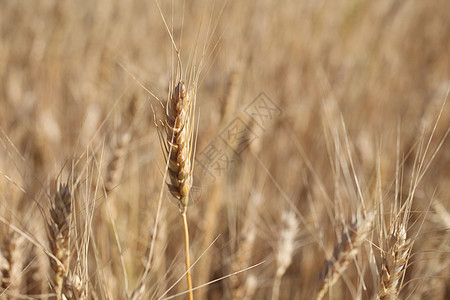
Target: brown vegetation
point(321, 125)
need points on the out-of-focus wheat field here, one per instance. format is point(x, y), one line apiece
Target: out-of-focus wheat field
point(315, 119)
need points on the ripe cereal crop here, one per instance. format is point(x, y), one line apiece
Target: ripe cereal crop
point(304, 144)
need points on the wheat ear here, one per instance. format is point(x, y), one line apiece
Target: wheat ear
point(58, 236)
point(116, 164)
point(243, 256)
point(11, 264)
point(179, 149)
point(178, 145)
point(285, 249)
point(394, 261)
point(343, 253)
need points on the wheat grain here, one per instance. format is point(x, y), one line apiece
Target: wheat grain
point(11, 263)
point(178, 144)
point(178, 147)
point(65, 285)
point(394, 261)
point(115, 166)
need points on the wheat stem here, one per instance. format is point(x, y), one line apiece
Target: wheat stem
point(186, 250)
point(276, 287)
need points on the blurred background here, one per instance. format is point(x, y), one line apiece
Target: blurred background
point(356, 88)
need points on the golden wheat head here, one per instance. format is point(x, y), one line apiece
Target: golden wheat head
point(394, 262)
point(58, 236)
point(178, 143)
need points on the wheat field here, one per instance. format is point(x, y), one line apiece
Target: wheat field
point(310, 161)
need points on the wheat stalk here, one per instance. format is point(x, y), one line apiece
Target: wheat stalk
point(178, 150)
